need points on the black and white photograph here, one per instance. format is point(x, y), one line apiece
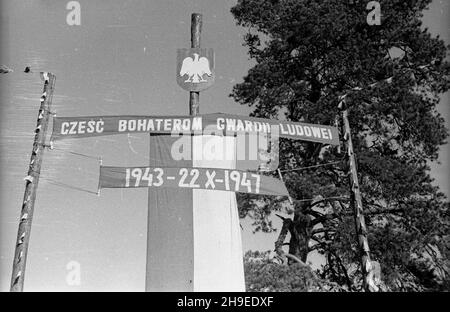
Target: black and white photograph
point(225, 151)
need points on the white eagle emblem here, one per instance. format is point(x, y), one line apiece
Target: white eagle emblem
point(195, 68)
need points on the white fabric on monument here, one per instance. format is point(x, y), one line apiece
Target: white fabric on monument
point(218, 258)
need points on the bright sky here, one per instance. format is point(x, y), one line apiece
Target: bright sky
point(120, 60)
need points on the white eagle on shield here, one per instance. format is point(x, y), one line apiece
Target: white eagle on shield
point(195, 68)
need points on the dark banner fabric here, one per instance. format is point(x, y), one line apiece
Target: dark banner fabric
point(91, 126)
point(191, 178)
point(224, 124)
point(170, 235)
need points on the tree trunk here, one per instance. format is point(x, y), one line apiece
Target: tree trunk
point(300, 230)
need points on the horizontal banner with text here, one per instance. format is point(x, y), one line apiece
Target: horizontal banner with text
point(193, 178)
point(225, 124)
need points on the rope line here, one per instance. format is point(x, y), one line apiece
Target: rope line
point(64, 185)
point(93, 157)
point(76, 153)
point(315, 166)
point(322, 199)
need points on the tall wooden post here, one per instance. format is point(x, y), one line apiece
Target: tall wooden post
point(170, 228)
point(32, 180)
point(196, 29)
point(356, 202)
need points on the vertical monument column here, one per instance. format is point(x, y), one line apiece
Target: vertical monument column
point(170, 235)
point(218, 257)
point(194, 239)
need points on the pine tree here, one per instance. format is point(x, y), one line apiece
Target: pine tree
point(309, 54)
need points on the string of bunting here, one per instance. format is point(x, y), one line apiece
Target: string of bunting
point(343, 96)
point(7, 70)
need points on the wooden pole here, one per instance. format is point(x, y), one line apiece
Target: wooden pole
point(32, 180)
point(356, 202)
point(159, 271)
point(196, 29)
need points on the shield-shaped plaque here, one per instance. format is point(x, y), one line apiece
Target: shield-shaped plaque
point(195, 69)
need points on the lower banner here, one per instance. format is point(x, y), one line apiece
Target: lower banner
point(191, 178)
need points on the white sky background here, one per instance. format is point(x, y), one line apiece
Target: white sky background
point(121, 60)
